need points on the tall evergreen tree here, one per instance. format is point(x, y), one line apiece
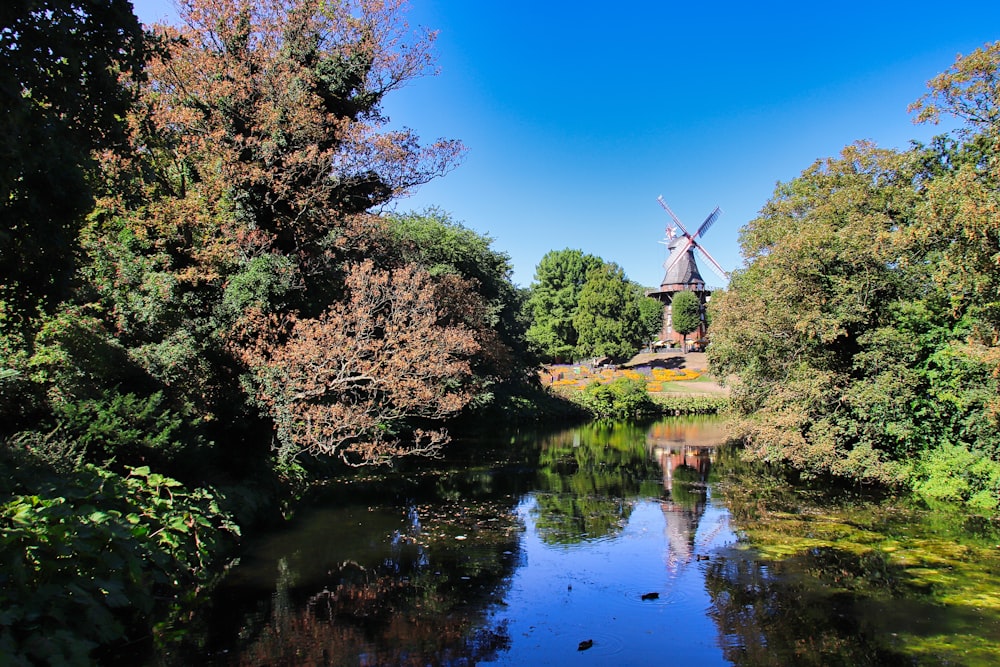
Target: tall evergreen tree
point(609, 318)
point(553, 299)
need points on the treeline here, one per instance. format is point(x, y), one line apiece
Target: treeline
point(203, 301)
point(581, 306)
point(862, 338)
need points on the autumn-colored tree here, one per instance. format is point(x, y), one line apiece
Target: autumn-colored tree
point(346, 382)
point(261, 133)
point(480, 289)
point(259, 148)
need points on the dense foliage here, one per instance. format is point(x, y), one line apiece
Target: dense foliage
point(553, 300)
point(862, 337)
point(609, 318)
point(581, 306)
point(685, 312)
point(60, 62)
point(624, 398)
point(200, 286)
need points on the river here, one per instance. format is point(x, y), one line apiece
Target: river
point(624, 544)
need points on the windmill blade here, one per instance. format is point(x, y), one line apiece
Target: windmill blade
point(709, 221)
point(677, 221)
point(711, 262)
point(678, 253)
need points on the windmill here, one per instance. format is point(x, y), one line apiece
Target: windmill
point(682, 273)
point(682, 270)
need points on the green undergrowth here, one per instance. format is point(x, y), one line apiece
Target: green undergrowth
point(87, 559)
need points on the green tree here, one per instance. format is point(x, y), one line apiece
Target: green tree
point(961, 214)
point(60, 62)
point(650, 314)
point(685, 313)
point(608, 317)
point(553, 299)
point(821, 275)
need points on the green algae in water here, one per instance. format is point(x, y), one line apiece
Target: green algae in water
point(854, 580)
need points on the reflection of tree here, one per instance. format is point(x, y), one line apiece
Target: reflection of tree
point(769, 618)
point(420, 592)
point(838, 578)
point(381, 619)
point(589, 478)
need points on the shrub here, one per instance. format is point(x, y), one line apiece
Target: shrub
point(85, 557)
point(127, 428)
point(953, 473)
point(619, 399)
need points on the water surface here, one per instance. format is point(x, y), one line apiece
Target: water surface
point(620, 544)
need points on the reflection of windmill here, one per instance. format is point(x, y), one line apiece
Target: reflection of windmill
point(682, 274)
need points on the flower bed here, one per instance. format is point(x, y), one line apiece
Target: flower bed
point(578, 377)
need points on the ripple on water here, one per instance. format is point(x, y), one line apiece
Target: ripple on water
point(605, 645)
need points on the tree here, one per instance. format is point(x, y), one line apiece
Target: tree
point(348, 382)
point(961, 215)
point(443, 247)
point(821, 273)
point(608, 317)
point(553, 299)
point(685, 313)
point(227, 236)
point(60, 62)
point(650, 314)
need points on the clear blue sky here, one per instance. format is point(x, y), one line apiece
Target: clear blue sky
point(578, 115)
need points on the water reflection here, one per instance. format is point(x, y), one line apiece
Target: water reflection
point(639, 542)
point(588, 481)
point(824, 577)
point(512, 560)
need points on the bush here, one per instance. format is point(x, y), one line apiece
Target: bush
point(620, 399)
point(126, 428)
point(953, 473)
point(85, 557)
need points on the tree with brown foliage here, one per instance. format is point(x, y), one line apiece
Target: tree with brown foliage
point(259, 150)
point(345, 382)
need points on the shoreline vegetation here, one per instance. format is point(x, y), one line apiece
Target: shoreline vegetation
point(205, 307)
point(672, 383)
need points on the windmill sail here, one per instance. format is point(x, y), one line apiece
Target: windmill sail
point(681, 267)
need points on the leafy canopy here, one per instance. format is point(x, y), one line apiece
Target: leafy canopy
point(553, 300)
point(685, 312)
point(608, 317)
point(862, 337)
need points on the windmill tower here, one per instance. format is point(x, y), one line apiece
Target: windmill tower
point(682, 274)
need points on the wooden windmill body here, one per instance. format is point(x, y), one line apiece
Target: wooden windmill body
point(682, 274)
